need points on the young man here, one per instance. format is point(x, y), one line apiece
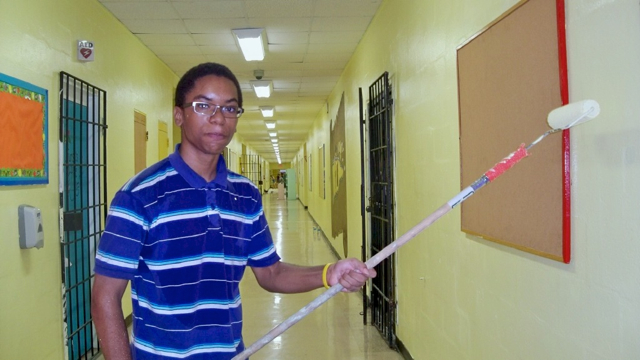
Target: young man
point(183, 231)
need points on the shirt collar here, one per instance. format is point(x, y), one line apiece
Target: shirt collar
point(193, 178)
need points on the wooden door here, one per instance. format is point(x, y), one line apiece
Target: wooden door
point(163, 140)
point(140, 141)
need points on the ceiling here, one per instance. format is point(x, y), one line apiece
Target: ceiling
point(309, 45)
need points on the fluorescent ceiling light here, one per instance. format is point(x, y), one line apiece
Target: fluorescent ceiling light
point(251, 44)
point(273, 134)
point(270, 124)
point(274, 140)
point(262, 88)
point(267, 111)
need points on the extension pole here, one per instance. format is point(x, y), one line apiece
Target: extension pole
point(559, 119)
point(490, 175)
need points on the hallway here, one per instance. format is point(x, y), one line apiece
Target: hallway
point(335, 329)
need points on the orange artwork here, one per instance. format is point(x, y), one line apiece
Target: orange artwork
point(23, 134)
point(21, 137)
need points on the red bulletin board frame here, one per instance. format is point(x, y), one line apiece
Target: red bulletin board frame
point(566, 138)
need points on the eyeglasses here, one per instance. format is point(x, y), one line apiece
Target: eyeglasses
point(204, 108)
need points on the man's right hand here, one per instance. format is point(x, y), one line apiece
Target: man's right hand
point(106, 310)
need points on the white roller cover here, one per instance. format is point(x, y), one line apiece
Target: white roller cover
point(573, 114)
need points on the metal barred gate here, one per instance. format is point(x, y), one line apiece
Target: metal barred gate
point(251, 167)
point(83, 206)
point(380, 205)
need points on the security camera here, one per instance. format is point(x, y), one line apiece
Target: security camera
point(258, 74)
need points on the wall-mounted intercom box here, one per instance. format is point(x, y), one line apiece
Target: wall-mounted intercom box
point(30, 227)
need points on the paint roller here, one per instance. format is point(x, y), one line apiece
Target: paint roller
point(559, 119)
point(573, 114)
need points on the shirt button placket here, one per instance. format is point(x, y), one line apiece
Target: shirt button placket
point(211, 202)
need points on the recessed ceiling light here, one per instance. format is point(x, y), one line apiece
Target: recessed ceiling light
point(267, 111)
point(262, 88)
point(270, 124)
point(251, 44)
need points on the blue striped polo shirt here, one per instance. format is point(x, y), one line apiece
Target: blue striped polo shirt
point(184, 244)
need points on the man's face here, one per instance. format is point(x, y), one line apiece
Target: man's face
point(203, 134)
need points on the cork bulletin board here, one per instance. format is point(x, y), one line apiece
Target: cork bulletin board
point(24, 136)
point(510, 76)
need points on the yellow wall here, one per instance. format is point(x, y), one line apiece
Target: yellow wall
point(320, 208)
point(459, 297)
point(464, 298)
point(37, 41)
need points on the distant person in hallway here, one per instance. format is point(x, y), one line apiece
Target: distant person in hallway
point(183, 231)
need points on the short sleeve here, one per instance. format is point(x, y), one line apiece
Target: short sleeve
point(125, 231)
point(262, 252)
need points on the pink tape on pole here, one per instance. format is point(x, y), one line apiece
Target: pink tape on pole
point(507, 163)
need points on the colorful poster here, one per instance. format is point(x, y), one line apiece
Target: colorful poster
point(24, 135)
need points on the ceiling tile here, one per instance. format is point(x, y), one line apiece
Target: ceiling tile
point(358, 24)
point(155, 26)
point(331, 48)
point(219, 49)
point(279, 8)
point(288, 72)
point(166, 39)
point(282, 24)
point(287, 48)
point(142, 10)
point(289, 38)
point(207, 26)
point(215, 39)
point(322, 57)
point(348, 8)
point(176, 59)
point(210, 9)
point(328, 65)
point(175, 49)
point(280, 58)
point(333, 37)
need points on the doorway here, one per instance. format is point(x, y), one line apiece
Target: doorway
point(141, 136)
point(163, 140)
point(377, 145)
point(83, 206)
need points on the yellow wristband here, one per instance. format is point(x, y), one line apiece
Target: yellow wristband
point(324, 275)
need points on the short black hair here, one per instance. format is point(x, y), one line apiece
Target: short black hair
point(188, 80)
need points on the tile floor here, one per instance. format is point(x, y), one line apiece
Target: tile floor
point(334, 330)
